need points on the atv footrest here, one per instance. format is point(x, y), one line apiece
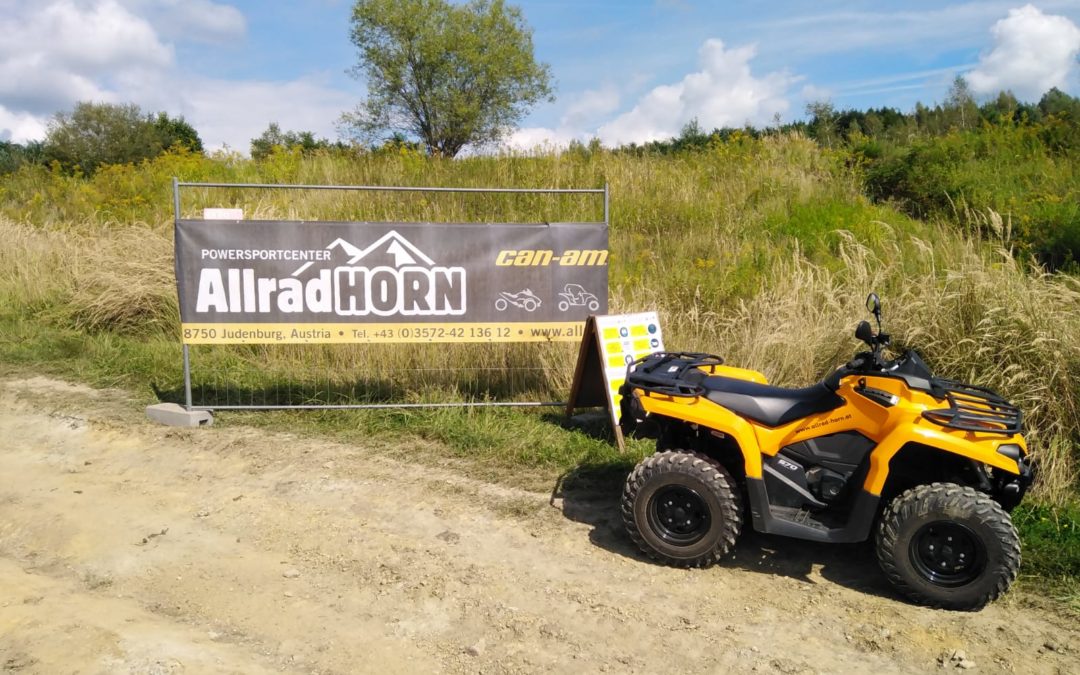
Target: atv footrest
point(799, 516)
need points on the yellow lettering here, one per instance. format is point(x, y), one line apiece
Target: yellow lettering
point(593, 258)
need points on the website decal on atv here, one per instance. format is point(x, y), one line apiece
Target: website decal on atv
point(880, 449)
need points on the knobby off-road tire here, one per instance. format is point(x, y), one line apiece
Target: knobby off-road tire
point(682, 509)
point(945, 545)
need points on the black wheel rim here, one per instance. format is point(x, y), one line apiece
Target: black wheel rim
point(679, 515)
point(948, 554)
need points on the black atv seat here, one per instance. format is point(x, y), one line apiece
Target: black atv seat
point(772, 406)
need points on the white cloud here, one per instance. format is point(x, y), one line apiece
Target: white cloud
point(918, 28)
point(232, 113)
point(589, 106)
point(62, 52)
point(585, 111)
point(812, 92)
point(524, 139)
point(723, 93)
point(1032, 52)
point(19, 127)
point(199, 20)
point(58, 52)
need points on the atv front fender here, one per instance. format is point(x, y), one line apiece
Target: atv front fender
point(981, 448)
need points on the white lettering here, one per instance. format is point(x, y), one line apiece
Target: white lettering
point(291, 296)
point(318, 293)
point(211, 292)
point(344, 291)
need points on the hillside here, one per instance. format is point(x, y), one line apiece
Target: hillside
point(758, 249)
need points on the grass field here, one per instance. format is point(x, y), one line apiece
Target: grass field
point(759, 250)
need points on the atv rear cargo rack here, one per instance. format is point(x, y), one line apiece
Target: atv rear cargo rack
point(671, 373)
point(974, 408)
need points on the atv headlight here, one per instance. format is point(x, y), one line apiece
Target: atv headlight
point(1010, 450)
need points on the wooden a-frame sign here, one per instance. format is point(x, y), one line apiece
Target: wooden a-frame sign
point(590, 388)
point(609, 345)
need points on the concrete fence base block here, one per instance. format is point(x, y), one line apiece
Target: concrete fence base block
point(174, 415)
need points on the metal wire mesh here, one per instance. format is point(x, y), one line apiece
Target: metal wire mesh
point(224, 377)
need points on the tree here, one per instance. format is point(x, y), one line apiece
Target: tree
point(448, 75)
point(95, 134)
point(960, 103)
point(13, 155)
point(823, 119)
point(274, 137)
point(176, 131)
point(1001, 110)
point(1058, 103)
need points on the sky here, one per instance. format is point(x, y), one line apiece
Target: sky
point(625, 71)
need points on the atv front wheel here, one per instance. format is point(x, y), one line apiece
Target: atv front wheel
point(682, 509)
point(948, 546)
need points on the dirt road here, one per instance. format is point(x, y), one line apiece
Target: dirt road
point(128, 547)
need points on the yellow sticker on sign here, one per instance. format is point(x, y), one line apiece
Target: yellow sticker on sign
point(626, 338)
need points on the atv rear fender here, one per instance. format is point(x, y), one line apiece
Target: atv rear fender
point(698, 411)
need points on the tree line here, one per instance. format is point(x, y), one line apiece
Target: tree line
point(92, 135)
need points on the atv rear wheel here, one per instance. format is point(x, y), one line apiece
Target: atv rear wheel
point(944, 545)
point(682, 509)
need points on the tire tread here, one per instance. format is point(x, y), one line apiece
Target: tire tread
point(945, 496)
point(715, 476)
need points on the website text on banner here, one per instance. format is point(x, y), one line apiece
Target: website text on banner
point(305, 282)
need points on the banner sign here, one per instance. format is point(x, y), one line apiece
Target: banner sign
point(304, 282)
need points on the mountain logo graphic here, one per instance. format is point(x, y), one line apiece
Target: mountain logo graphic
point(393, 244)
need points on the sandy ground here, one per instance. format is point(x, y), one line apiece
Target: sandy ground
point(128, 547)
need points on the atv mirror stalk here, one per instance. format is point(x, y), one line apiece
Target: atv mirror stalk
point(873, 305)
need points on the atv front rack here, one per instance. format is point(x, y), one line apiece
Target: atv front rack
point(974, 408)
point(672, 373)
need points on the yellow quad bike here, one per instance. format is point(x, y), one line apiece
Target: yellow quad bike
point(930, 467)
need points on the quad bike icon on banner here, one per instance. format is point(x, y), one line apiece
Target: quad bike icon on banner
point(574, 295)
point(525, 299)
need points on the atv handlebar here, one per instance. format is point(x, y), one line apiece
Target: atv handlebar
point(863, 362)
point(875, 342)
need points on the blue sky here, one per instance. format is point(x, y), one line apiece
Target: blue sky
point(625, 71)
